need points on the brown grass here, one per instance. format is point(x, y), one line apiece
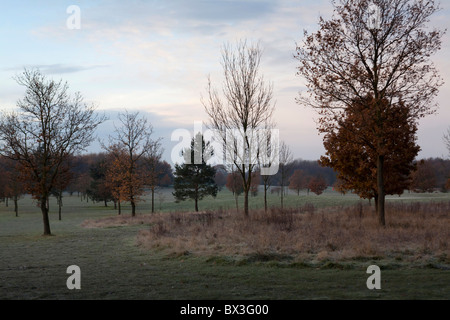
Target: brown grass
point(117, 221)
point(417, 232)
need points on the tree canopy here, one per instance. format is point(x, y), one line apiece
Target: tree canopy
point(380, 58)
point(49, 127)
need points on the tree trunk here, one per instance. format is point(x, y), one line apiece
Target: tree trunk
point(247, 184)
point(153, 199)
point(246, 191)
point(120, 209)
point(16, 206)
point(106, 203)
point(44, 210)
point(196, 205)
point(376, 203)
point(282, 191)
point(6, 201)
point(133, 208)
point(60, 205)
point(265, 198)
point(380, 190)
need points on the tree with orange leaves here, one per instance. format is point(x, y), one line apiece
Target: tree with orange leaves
point(317, 185)
point(11, 183)
point(352, 149)
point(299, 180)
point(128, 147)
point(376, 53)
point(116, 175)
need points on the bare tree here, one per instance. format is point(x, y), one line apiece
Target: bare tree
point(129, 145)
point(244, 106)
point(152, 163)
point(49, 127)
point(286, 159)
point(268, 160)
point(447, 140)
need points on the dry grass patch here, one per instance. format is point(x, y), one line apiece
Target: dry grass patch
point(117, 221)
point(414, 233)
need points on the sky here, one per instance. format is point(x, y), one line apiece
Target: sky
point(154, 57)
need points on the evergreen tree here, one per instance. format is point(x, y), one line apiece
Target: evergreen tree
point(194, 179)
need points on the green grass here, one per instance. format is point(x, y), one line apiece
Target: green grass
point(113, 267)
point(225, 200)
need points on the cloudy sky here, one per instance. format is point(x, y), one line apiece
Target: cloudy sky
point(154, 56)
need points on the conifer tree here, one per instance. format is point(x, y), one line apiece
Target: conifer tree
point(194, 179)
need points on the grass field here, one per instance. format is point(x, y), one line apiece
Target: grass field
point(114, 266)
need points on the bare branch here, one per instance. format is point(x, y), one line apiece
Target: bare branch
point(244, 106)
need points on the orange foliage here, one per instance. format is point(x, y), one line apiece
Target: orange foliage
point(124, 179)
point(358, 139)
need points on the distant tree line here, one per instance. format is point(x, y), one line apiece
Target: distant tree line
point(87, 178)
point(432, 174)
point(92, 178)
point(309, 168)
